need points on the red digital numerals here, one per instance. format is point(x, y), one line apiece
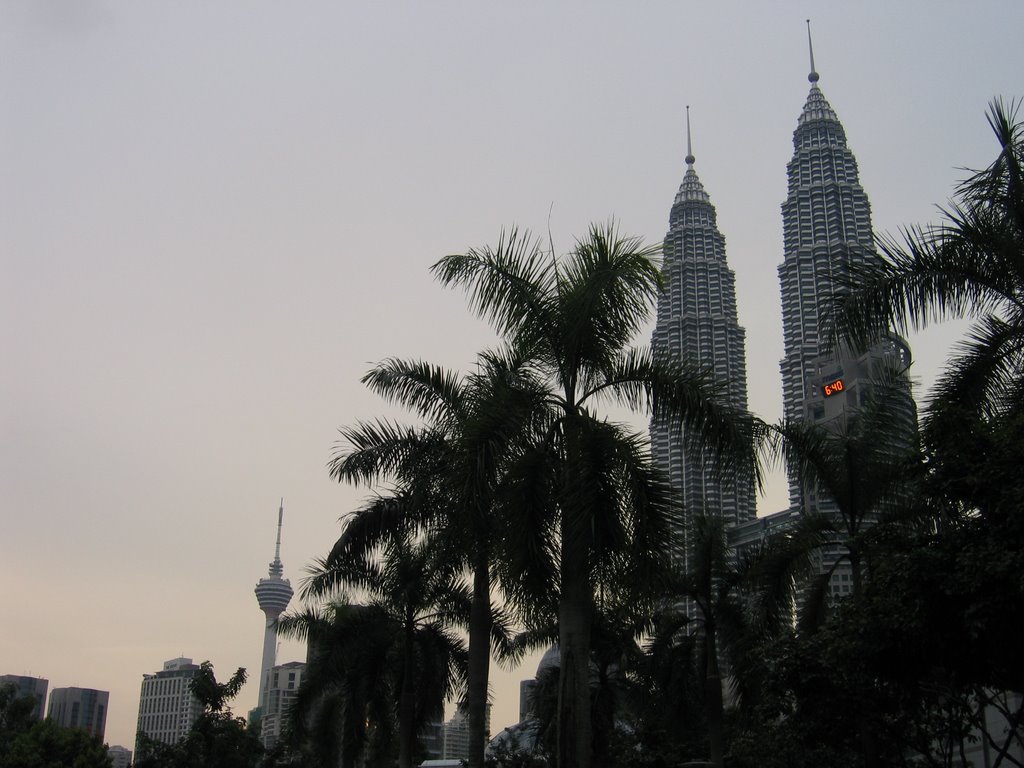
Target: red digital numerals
point(833, 388)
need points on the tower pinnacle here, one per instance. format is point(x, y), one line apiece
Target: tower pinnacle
point(813, 76)
point(689, 150)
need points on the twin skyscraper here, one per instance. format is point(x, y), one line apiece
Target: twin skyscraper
point(826, 220)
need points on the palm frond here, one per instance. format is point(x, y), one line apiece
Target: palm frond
point(382, 450)
point(605, 291)
point(506, 284)
point(434, 393)
point(814, 605)
point(984, 372)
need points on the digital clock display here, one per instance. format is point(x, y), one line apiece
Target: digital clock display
point(833, 388)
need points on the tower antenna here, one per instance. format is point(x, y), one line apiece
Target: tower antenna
point(689, 151)
point(813, 76)
point(280, 518)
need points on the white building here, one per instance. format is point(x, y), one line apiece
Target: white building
point(120, 757)
point(167, 708)
point(284, 682)
point(456, 733)
point(84, 708)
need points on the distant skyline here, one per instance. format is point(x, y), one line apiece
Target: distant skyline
point(215, 217)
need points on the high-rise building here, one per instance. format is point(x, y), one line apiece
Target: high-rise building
point(826, 231)
point(120, 757)
point(285, 680)
point(29, 686)
point(697, 324)
point(456, 733)
point(84, 708)
point(167, 707)
point(430, 740)
point(273, 594)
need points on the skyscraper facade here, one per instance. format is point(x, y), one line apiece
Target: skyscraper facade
point(273, 594)
point(29, 686)
point(84, 708)
point(826, 231)
point(456, 733)
point(697, 324)
point(167, 708)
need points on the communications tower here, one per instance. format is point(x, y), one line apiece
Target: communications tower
point(273, 594)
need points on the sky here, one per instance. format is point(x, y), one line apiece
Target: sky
point(215, 217)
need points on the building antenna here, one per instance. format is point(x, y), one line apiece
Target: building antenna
point(813, 76)
point(689, 151)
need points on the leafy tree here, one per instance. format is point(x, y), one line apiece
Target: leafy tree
point(26, 742)
point(16, 714)
point(586, 491)
point(46, 745)
point(393, 659)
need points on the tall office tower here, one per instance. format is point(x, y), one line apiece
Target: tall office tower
point(696, 323)
point(826, 230)
point(273, 593)
point(84, 708)
point(29, 686)
point(167, 708)
point(285, 680)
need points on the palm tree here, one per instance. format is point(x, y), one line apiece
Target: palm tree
point(622, 616)
point(864, 463)
point(587, 489)
point(344, 709)
point(726, 605)
point(710, 585)
point(395, 656)
point(450, 469)
point(970, 265)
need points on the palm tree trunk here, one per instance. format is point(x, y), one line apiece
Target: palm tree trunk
point(856, 569)
point(407, 702)
point(869, 744)
point(603, 714)
point(714, 705)
point(574, 613)
point(479, 660)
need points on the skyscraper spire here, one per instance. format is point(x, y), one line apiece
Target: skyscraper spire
point(689, 150)
point(813, 76)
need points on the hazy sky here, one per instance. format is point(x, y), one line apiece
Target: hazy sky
point(214, 217)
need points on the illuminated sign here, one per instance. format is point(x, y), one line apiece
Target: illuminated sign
point(833, 387)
